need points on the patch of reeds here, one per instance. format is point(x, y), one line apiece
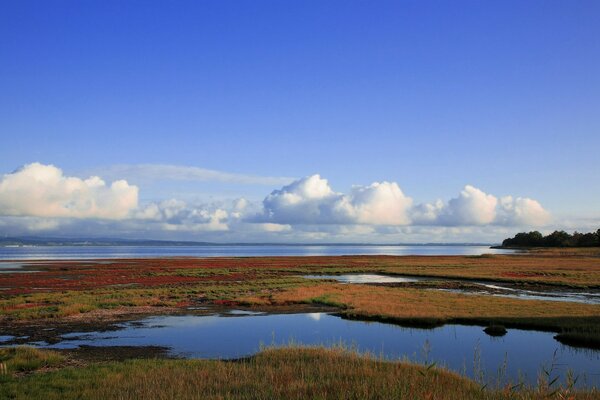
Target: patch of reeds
point(26, 359)
point(290, 373)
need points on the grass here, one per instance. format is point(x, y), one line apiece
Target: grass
point(290, 373)
point(26, 359)
point(408, 304)
point(85, 290)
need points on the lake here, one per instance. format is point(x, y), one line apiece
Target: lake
point(94, 252)
point(518, 356)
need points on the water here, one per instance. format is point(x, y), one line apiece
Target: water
point(587, 297)
point(454, 346)
point(94, 252)
point(366, 278)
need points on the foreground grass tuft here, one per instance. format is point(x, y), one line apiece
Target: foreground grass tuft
point(290, 373)
point(26, 359)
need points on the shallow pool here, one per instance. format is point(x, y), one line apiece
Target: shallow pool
point(519, 355)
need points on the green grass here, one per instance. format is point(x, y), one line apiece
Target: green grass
point(25, 359)
point(290, 373)
point(53, 305)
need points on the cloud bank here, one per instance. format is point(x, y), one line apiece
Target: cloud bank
point(40, 198)
point(43, 191)
point(311, 200)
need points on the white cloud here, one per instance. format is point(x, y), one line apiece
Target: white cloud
point(153, 172)
point(311, 200)
point(176, 215)
point(475, 207)
point(427, 213)
point(270, 227)
point(522, 212)
point(471, 207)
point(379, 204)
point(306, 200)
point(39, 198)
point(43, 191)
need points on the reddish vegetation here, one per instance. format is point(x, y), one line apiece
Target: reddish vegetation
point(68, 275)
point(56, 276)
point(23, 306)
point(228, 303)
point(84, 275)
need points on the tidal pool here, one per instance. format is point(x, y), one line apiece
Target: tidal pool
point(6, 338)
point(518, 356)
point(12, 267)
point(366, 278)
point(488, 288)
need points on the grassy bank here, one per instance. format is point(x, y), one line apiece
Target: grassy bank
point(64, 289)
point(410, 306)
point(291, 373)
point(87, 291)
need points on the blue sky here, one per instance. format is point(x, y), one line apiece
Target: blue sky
point(433, 96)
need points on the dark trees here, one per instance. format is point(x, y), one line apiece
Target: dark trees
point(555, 239)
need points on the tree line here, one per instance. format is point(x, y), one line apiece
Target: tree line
point(555, 239)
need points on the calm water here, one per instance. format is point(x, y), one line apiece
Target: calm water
point(79, 252)
point(455, 346)
point(587, 297)
point(366, 278)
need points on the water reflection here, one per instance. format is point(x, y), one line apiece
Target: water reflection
point(87, 252)
point(365, 278)
point(462, 348)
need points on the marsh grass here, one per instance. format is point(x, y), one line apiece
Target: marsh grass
point(275, 373)
point(26, 359)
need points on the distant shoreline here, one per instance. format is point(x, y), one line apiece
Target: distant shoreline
point(11, 242)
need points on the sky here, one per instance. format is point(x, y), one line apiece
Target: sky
point(299, 121)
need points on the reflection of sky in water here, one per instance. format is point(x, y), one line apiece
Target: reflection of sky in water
point(81, 252)
point(583, 297)
point(364, 278)
point(453, 345)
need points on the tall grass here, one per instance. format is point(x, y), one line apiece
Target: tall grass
point(284, 373)
point(25, 359)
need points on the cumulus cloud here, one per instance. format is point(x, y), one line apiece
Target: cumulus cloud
point(41, 198)
point(522, 211)
point(381, 203)
point(475, 207)
point(311, 200)
point(177, 215)
point(306, 200)
point(44, 191)
point(471, 207)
